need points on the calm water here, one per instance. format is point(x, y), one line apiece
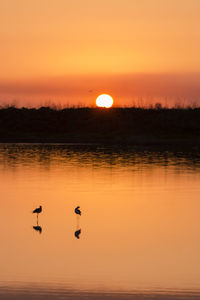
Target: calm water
point(140, 223)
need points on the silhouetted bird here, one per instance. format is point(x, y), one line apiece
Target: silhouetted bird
point(38, 228)
point(77, 210)
point(37, 210)
point(77, 233)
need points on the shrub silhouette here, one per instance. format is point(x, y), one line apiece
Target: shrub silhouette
point(115, 125)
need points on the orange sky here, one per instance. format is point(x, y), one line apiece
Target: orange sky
point(47, 40)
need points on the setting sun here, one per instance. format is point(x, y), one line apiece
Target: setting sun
point(104, 100)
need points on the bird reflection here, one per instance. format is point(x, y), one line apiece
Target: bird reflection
point(38, 228)
point(77, 233)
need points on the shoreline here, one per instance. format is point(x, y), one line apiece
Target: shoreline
point(28, 290)
point(133, 143)
point(56, 294)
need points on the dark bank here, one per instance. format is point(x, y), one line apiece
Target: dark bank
point(135, 126)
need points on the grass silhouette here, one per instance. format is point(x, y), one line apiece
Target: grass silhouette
point(133, 125)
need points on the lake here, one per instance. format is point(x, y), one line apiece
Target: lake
point(138, 236)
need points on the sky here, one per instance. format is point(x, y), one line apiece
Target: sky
point(69, 51)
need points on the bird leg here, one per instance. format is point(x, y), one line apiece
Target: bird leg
point(77, 222)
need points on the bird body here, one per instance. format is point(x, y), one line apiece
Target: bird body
point(37, 210)
point(77, 210)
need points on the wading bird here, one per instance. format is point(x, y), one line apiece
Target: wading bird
point(37, 210)
point(77, 210)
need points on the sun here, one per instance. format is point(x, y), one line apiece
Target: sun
point(104, 100)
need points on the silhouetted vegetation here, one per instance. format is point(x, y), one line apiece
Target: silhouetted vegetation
point(94, 125)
